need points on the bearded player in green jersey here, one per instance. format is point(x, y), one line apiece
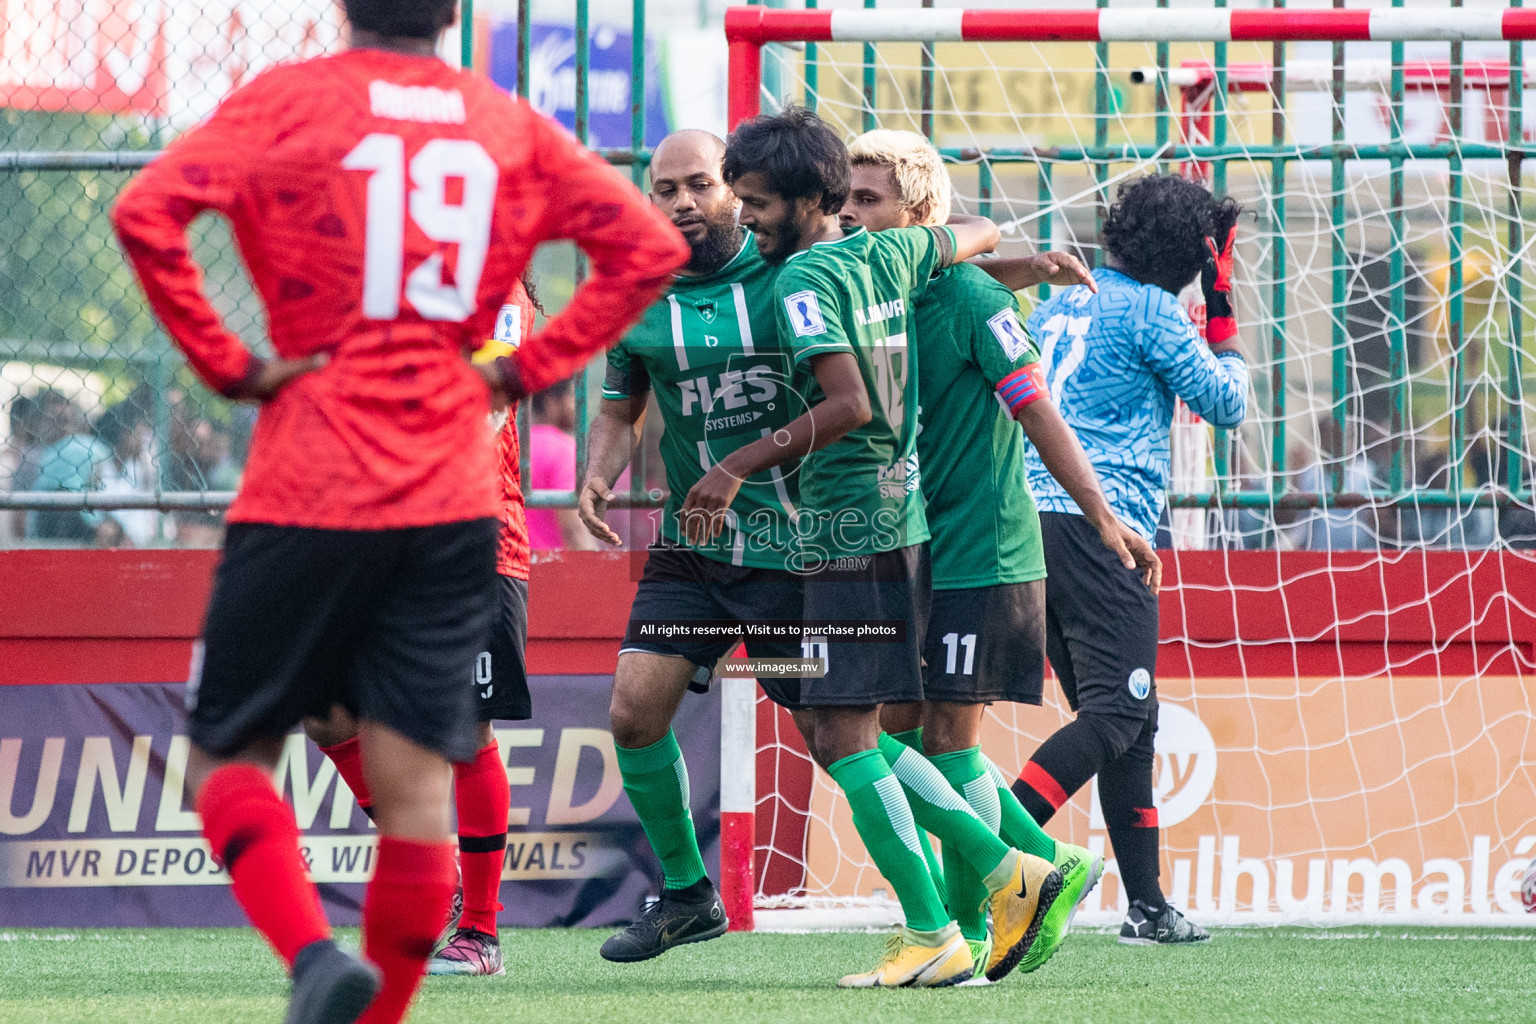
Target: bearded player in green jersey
point(710, 353)
point(986, 634)
point(843, 304)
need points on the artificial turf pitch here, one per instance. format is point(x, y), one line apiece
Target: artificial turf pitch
point(1278, 976)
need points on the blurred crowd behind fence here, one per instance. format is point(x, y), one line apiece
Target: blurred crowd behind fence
point(1413, 432)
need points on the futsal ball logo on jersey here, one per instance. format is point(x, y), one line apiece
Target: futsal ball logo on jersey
point(707, 310)
point(1140, 684)
point(1010, 333)
point(805, 314)
point(509, 326)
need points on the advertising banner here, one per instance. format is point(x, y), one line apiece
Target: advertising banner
point(1390, 799)
point(552, 79)
point(96, 827)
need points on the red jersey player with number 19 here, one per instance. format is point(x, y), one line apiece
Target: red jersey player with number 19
point(385, 204)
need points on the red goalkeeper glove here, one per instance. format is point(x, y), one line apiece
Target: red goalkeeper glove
point(1216, 283)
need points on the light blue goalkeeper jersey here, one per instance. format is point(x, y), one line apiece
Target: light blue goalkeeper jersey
point(1114, 362)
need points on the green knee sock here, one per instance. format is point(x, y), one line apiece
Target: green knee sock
point(939, 809)
point(914, 739)
point(884, 822)
point(966, 771)
point(1019, 827)
point(966, 895)
point(656, 780)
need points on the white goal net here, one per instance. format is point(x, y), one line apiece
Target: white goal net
point(1348, 632)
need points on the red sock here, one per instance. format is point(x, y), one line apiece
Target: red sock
point(402, 915)
point(348, 758)
point(483, 796)
point(253, 834)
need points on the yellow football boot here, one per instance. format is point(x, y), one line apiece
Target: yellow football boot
point(1080, 872)
point(908, 965)
point(1018, 910)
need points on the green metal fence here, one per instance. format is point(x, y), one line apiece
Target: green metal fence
point(1453, 436)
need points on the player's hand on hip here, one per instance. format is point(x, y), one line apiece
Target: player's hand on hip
point(1134, 553)
point(276, 374)
point(1063, 269)
point(703, 514)
point(592, 506)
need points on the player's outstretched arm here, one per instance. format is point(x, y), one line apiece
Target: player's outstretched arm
point(633, 252)
point(610, 445)
point(1064, 457)
point(1019, 272)
point(973, 236)
point(845, 407)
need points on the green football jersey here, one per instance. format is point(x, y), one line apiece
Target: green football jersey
point(861, 494)
point(711, 351)
point(985, 528)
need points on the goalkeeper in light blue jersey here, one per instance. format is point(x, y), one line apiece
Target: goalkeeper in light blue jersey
point(1115, 360)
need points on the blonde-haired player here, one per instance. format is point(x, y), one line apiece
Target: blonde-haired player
point(978, 371)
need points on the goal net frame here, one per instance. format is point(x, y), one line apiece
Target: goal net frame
point(749, 30)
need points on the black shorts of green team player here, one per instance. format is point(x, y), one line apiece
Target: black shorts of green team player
point(887, 587)
point(986, 644)
point(385, 623)
point(680, 585)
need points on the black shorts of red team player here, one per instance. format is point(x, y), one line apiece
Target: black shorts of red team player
point(501, 670)
point(386, 623)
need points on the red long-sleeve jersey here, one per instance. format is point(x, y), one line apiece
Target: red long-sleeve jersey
point(512, 549)
point(385, 205)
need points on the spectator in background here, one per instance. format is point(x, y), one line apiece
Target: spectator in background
point(200, 460)
point(47, 422)
point(552, 466)
point(1440, 526)
point(1334, 529)
point(126, 429)
point(21, 440)
point(73, 462)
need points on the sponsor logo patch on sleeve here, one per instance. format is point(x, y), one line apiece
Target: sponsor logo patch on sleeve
point(1009, 333)
point(805, 314)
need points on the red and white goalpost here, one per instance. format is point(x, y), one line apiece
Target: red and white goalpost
point(747, 29)
point(1346, 734)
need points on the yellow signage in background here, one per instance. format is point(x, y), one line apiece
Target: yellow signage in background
point(1021, 94)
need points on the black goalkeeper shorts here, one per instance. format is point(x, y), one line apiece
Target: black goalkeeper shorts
point(385, 623)
point(1100, 622)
